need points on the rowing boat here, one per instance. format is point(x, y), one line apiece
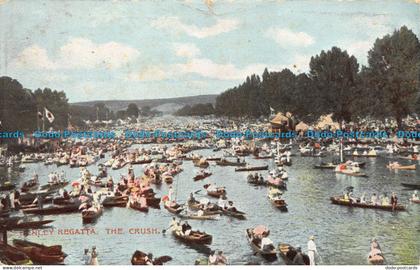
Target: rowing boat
point(198, 206)
point(31, 224)
point(53, 210)
point(139, 258)
point(278, 203)
point(414, 201)
point(399, 167)
point(251, 168)
point(230, 163)
point(39, 253)
point(137, 206)
point(202, 176)
point(13, 256)
point(7, 186)
point(200, 217)
point(173, 210)
point(341, 201)
point(323, 165)
point(288, 253)
point(411, 186)
point(90, 216)
point(195, 237)
point(351, 173)
point(236, 214)
point(256, 247)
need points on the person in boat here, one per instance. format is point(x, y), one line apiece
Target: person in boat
point(221, 258)
point(231, 207)
point(143, 201)
point(298, 258)
point(213, 258)
point(222, 201)
point(94, 256)
point(312, 250)
point(266, 243)
point(415, 197)
point(211, 188)
point(86, 257)
point(374, 249)
point(363, 198)
point(39, 201)
point(394, 200)
point(351, 198)
point(170, 193)
point(346, 197)
point(385, 200)
point(374, 199)
point(148, 259)
point(186, 228)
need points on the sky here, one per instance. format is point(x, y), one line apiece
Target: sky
point(103, 50)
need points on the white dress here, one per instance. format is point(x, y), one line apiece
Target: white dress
point(311, 252)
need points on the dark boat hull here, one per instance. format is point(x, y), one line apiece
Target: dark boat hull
point(338, 201)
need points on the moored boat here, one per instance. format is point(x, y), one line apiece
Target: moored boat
point(251, 168)
point(256, 246)
point(195, 237)
point(288, 253)
point(41, 254)
point(341, 201)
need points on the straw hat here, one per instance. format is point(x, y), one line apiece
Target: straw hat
point(312, 237)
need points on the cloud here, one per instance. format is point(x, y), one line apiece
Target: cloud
point(286, 38)
point(175, 24)
point(359, 49)
point(78, 53)
point(188, 50)
point(151, 73)
point(34, 57)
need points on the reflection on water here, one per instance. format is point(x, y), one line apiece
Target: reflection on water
point(342, 234)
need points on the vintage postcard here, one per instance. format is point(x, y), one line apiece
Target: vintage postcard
point(210, 132)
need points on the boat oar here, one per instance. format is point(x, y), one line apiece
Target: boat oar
point(164, 230)
point(198, 191)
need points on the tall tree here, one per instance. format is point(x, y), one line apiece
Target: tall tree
point(335, 77)
point(132, 110)
point(394, 71)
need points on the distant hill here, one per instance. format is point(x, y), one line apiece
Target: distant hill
point(166, 105)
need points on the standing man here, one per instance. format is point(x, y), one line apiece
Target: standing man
point(170, 193)
point(86, 257)
point(394, 201)
point(312, 250)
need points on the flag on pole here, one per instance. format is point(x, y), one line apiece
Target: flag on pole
point(49, 115)
point(40, 116)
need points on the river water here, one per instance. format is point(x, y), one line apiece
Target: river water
point(342, 234)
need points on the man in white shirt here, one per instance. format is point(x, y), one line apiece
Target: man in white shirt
point(266, 244)
point(170, 193)
point(311, 250)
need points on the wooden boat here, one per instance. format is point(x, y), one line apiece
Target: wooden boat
point(13, 256)
point(174, 210)
point(153, 201)
point(377, 257)
point(278, 203)
point(257, 247)
point(323, 165)
point(139, 258)
point(230, 163)
point(202, 176)
point(202, 217)
point(41, 254)
point(276, 182)
point(53, 210)
point(7, 186)
point(414, 201)
point(236, 214)
point(288, 252)
point(411, 186)
point(217, 193)
point(137, 206)
point(63, 201)
point(195, 237)
point(90, 216)
point(29, 185)
point(31, 224)
point(400, 167)
point(251, 168)
point(168, 179)
point(114, 203)
point(213, 158)
point(200, 164)
point(341, 201)
point(197, 206)
point(350, 173)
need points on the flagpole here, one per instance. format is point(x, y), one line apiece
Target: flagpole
point(43, 120)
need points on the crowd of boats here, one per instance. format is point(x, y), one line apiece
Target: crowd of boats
point(93, 192)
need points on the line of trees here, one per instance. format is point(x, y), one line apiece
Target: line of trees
point(199, 109)
point(389, 86)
